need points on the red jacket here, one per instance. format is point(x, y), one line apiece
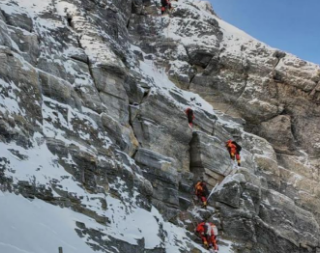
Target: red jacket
point(231, 147)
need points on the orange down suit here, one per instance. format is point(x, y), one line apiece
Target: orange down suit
point(201, 192)
point(233, 151)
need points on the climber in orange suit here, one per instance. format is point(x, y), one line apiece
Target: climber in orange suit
point(234, 150)
point(206, 231)
point(202, 192)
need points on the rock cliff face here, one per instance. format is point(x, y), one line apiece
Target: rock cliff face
point(93, 127)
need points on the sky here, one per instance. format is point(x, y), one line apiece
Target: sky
point(290, 25)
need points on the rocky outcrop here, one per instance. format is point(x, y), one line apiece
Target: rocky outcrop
point(93, 95)
point(204, 152)
point(278, 132)
point(161, 127)
point(261, 84)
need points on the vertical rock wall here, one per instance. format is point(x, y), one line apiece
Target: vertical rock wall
point(89, 118)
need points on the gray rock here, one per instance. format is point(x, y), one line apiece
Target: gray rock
point(229, 191)
point(28, 44)
point(134, 90)
point(5, 38)
point(200, 56)
point(151, 159)
point(21, 20)
point(278, 132)
point(237, 223)
point(165, 132)
point(283, 208)
point(121, 135)
point(208, 153)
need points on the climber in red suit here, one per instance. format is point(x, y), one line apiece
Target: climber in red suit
point(190, 116)
point(234, 150)
point(165, 4)
point(206, 231)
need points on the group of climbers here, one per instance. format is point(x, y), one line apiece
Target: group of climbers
point(206, 230)
point(232, 146)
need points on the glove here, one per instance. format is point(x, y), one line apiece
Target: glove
point(206, 244)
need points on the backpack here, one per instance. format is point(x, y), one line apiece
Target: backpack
point(239, 148)
point(199, 187)
point(208, 227)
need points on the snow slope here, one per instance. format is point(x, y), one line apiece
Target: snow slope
point(33, 226)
